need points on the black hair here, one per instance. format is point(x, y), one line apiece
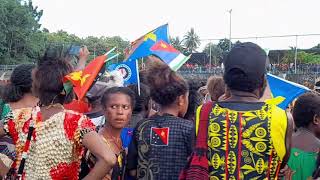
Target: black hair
point(55, 52)
point(142, 100)
point(317, 83)
point(20, 83)
point(115, 90)
point(165, 84)
point(305, 108)
point(195, 100)
point(143, 77)
point(48, 85)
point(236, 79)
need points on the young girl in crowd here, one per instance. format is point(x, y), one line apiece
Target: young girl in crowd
point(162, 143)
point(305, 141)
point(49, 140)
point(117, 103)
point(216, 88)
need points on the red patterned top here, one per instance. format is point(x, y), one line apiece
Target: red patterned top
point(55, 148)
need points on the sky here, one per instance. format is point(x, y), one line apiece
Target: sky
point(131, 19)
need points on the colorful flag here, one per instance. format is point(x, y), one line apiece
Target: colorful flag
point(286, 89)
point(129, 71)
point(169, 55)
point(83, 80)
point(141, 47)
point(159, 136)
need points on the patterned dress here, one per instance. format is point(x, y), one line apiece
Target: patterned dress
point(55, 148)
point(7, 148)
point(245, 141)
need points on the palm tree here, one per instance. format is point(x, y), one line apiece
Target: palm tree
point(176, 43)
point(191, 41)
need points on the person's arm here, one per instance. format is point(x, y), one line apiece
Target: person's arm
point(2, 131)
point(3, 169)
point(106, 159)
point(133, 156)
point(190, 139)
point(288, 140)
point(83, 58)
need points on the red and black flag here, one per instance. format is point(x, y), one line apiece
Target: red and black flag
point(159, 136)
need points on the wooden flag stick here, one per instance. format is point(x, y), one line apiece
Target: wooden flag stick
point(138, 76)
point(112, 57)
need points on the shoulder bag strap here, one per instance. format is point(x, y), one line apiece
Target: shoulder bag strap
point(203, 125)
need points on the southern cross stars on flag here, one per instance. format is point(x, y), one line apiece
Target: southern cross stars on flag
point(159, 136)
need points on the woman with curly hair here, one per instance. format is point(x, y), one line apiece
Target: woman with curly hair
point(162, 143)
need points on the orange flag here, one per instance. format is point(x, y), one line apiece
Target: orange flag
point(83, 80)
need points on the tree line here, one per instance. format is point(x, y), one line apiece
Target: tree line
point(23, 40)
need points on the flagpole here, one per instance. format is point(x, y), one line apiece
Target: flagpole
point(138, 76)
point(111, 50)
point(112, 57)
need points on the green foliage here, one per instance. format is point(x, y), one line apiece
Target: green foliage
point(98, 46)
point(216, 52)
point(19, 28)
point(302, 57)
point(308, 58)
point(177, 43)
point(22, 41)
point(224, 45)
point(191, 41)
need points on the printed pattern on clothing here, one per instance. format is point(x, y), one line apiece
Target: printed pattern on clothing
point(167, 160)
point(240, 145)
point(55, 148)
point(6, 143)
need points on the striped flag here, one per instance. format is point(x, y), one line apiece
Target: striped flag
point(174, 58)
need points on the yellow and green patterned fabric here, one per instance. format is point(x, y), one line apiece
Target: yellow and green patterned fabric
point(245, 140)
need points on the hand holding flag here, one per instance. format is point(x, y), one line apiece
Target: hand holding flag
point(83, 80)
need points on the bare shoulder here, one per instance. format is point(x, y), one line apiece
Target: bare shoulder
point(305, 142)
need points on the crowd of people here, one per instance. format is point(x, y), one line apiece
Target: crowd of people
point(164, 128)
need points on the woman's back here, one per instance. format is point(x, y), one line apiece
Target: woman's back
point(164, 143)
point(245, 140)
point(55, 147)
